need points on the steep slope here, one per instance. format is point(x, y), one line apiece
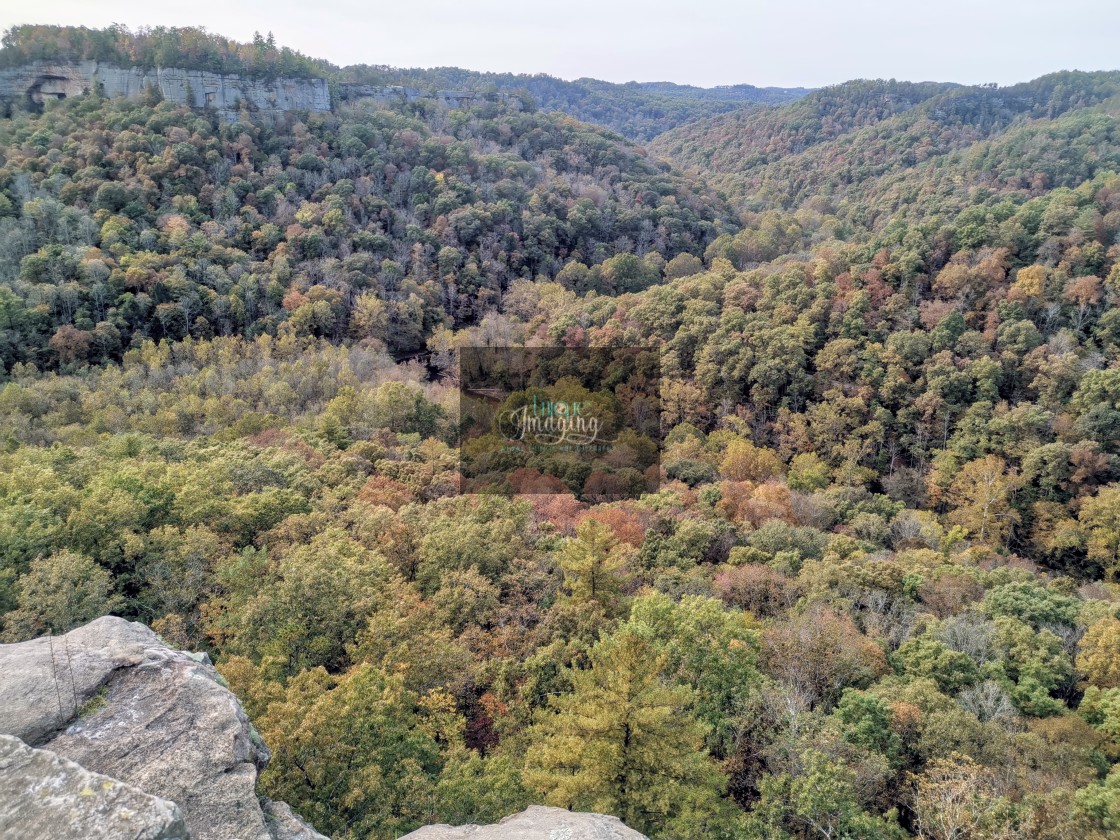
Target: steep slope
point(746, 140)
point(30, 86)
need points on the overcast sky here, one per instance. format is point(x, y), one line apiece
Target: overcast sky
point(703, 42)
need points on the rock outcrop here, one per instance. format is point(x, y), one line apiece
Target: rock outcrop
point(536, 822)
point(39, 789)
point(128, 738)
point(113, 698)
point(29, 86)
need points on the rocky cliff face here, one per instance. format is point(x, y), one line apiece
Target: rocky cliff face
point(535, 823)
point(112, 699)
point(31, 85)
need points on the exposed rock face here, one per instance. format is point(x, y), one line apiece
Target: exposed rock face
point(33, 84)
point(116, 700)
point(30, 86)
point(39, 789)
point(535, 823)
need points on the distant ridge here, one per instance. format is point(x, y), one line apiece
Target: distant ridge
point(636, 110)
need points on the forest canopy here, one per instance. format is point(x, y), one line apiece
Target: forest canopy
point(191, 48)
point(877, 593)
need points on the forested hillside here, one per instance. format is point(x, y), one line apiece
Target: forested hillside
point(869, 151)
point(140, 222)
point(878, 592)
point(637, 110)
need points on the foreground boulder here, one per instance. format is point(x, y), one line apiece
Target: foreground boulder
point(536, 822)
point(116, 700)
point(40, 789)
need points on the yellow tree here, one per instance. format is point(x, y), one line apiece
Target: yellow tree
point(743, 461)
point(58, 593)
point(981, 495)
point(352, 752)
point(624, 743)
point(1100, 521)
point(1098, 657)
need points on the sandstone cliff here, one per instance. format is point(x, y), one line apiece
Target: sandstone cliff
point(29, 86)
point(113, 699)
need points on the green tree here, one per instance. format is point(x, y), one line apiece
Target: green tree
point(712, 650)
point(624, 743)
point(1101, 803)
point(593, 563)
point(1030, 602)
point(350, 753)
point(475, 789)
point(865, 721)
point(59, 593)
point(303, 610)
point(1037, 662)
point(822, 800)
point(925, 657)
point(1101, 709)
